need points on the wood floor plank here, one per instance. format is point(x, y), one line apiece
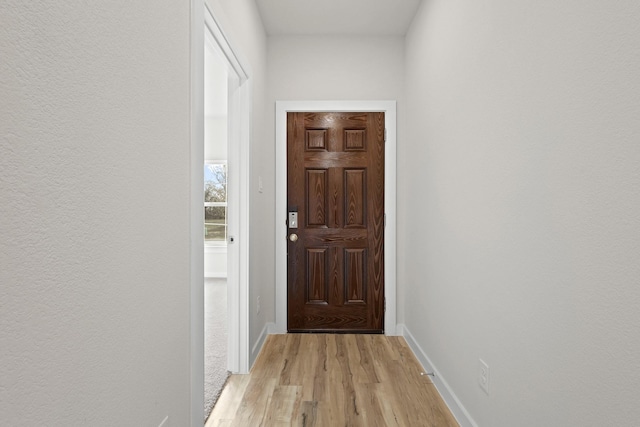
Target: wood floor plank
point(320, 389)
point(291, 360)
point(255, 402)
point(390, 415)
point(393, 393)
point(229, 400)
point(308, 414)
point(359, 357)
point(269, 362)
point(368, 404)
point(308, 366)
point(332, 380)
point(383, 348)
point(351, 414)
point(281, 408)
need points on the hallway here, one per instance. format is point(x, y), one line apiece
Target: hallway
point(517, 211)
point(331, 380)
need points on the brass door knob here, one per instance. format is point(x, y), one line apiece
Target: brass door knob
point(293, 237)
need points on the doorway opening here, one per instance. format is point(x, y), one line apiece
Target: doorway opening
point(218, 78)
point(237, 193)
point(389, 109)
point(227, 222)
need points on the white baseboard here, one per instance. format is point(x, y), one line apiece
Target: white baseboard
point(255, 350)
point(449, 397)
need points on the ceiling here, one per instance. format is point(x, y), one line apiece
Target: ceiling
point(337, 17)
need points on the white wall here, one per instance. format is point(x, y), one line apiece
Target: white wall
point(215, 261)
point(216, 89)
point(242, 24)
point(94, 219)
point(518, 206)
point(335, 68)
point(215, 131)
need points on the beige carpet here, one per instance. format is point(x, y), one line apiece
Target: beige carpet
point(215, 341)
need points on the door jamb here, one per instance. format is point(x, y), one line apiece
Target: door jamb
point(389, 108)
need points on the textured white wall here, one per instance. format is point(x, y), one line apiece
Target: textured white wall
point(335, 68)
point(519, 206)
point(216, 89)
point(94, 218)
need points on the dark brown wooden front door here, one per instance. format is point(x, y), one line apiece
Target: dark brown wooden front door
point(335, 183)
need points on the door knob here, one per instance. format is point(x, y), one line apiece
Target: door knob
point(293, 237)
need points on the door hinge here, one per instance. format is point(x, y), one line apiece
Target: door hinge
point(385, 220)
point(385, 134)
point(385, 305)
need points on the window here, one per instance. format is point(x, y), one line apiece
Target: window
point(215, 203)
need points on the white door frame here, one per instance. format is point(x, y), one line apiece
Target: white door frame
point(203, 17)
point(196, 248)
point(389, 108)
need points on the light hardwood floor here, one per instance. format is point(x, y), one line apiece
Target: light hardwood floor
point(332, 380)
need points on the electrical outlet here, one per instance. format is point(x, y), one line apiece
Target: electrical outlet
point(483, 375)
point(258, 305)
